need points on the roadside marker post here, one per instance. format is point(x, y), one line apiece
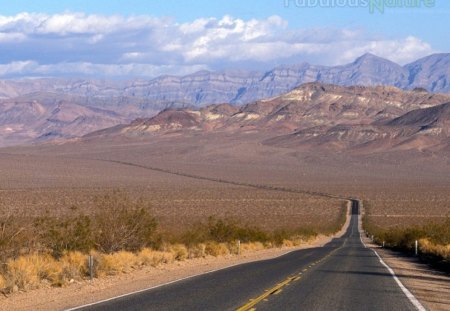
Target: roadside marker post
point(91, 266)
point(416, 248)
point(239, 247)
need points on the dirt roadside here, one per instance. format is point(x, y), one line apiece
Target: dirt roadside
point(80, 293)
point(430, 287)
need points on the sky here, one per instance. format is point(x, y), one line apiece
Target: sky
point(147, 38)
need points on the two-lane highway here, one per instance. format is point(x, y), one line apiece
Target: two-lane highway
point(342, 275)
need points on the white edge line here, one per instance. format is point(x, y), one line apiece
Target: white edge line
point(179, 280)
point(406, 291)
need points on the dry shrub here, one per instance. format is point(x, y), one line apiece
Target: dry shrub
point(216, 249)
point(434, 240)
point(149, 257)
point(297, 241)
point(254, 246)
point(438, 250)
point(68, 233)
point(123, 224)
point(233, 247)
point(197, 251)
point(222, 231)
point(27, 272)
point(74, 266)
point(15, 235)
point(179, 251)
point(287, 243)
point(112, 264)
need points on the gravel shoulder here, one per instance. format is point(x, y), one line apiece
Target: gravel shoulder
point(430, 287)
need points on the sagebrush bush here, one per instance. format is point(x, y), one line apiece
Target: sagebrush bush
point(16, 235)
point(65, 234)
point(123, 224)
point(119, 223)
point(222, 231)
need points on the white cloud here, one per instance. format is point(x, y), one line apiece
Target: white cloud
point(77, 43)
point(12, 37)
point(402, 51)
point(20, 67)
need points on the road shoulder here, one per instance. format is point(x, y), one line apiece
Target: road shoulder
point(430, 287)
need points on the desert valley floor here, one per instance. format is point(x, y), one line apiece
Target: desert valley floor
point(53, 178)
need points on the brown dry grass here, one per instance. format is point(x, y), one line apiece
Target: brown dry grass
point(429, 247)
point(36, 270)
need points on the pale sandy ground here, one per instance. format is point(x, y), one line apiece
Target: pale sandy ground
point(99, 289)
point(430, 287)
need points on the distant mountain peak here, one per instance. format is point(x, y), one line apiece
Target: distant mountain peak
point(370, 59)
point(369, 56)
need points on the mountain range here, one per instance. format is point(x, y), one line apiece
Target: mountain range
point(34, 110)
point(314, 116)
point(240, 87)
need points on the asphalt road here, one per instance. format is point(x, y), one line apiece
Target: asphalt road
point(342, 275)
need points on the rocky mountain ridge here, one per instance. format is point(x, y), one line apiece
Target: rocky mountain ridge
point(315, 115)
point(240, 87)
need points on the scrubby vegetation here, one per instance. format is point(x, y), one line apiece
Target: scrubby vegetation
point(433, 240)
point(121, 235)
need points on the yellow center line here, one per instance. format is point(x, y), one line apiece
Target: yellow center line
point(274, 290)
point(278, 291)
point(278, 288)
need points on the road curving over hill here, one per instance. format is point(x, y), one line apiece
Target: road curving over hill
point(341, 275)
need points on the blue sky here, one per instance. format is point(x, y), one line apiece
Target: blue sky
point(148, 38)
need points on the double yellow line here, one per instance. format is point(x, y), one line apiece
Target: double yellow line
point(277, 289)
point(274, 290)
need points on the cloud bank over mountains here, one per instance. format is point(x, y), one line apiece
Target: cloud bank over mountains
point(77, 44)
